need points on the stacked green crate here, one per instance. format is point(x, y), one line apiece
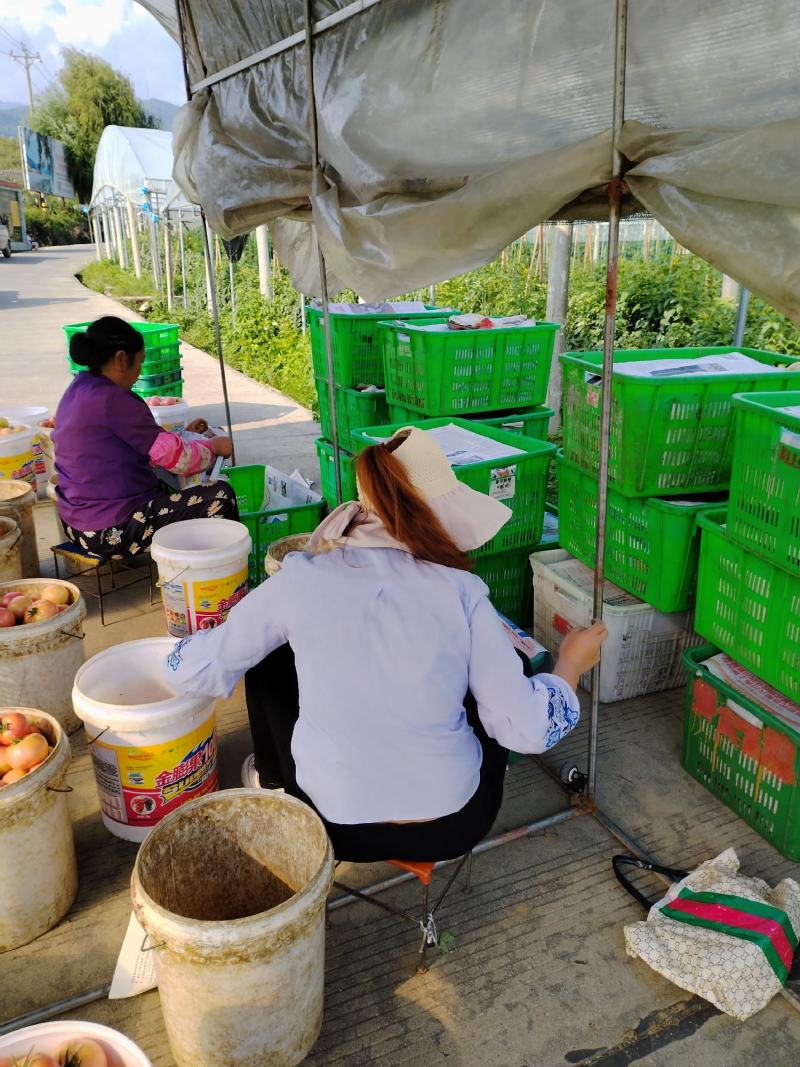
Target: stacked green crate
point(161, 373)
point(519, 479)
point(358, 380)
point(671, 447)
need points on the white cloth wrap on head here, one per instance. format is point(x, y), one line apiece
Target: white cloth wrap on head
point(470, 518)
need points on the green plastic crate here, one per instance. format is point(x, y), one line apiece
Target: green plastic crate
point(354, 408)
point(754, 769)
point(764, 512)
point(327, 475)
point(669, 435)
point(452, 372)
point(153, 381)
point(652, 545)
point(522, 481)
point(166, 388)
point(749, 607)
point(508, 576)
point(270, 523)
point(530, 422)
point(356, 344)
point(161, 340)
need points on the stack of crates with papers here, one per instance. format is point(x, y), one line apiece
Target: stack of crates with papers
point(742, 728)
point(511, 468)
point(671, 449)
point(358, 378)
point(161, 373)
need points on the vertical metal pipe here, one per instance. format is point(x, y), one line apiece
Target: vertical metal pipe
point(303, 317)
point(182, 244)
point(741, 316)
point(316, 174)
point(133, 227)
point(212, 292)
point(168, 261)
point(232, 283)
point(615, 202)
point(262, 251)
point(432, 295)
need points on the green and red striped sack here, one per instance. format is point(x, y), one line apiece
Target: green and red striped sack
point(721, 935)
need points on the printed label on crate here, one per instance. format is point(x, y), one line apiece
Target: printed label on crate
point(18, 468)
point(503, 482)
point(213, 599)
point(139, 786)
point(789, 447)
point(593, 397)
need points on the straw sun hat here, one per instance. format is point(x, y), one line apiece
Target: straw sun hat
point(471, 518)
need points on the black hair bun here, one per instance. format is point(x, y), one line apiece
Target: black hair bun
point(81, 349)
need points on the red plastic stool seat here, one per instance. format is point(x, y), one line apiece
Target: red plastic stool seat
point(419, 868)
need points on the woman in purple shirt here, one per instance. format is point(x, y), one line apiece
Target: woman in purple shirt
point(107, 443)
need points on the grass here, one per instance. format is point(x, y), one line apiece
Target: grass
point(106, 277)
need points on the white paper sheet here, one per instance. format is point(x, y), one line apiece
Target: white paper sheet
point(728, 670)
point(793, 409)
point(388, 307)
point(728, 363)
point(135, 972)
point(463, 446)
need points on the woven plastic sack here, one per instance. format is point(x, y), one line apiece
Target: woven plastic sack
point(728, 938)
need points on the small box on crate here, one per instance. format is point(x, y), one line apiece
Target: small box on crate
point(643, 650)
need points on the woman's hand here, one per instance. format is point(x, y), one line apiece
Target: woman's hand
point(221, 446)
point(579, 652)
point(197, 426)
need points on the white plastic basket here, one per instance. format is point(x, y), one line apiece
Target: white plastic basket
point(49, 1037)
point(642, 653)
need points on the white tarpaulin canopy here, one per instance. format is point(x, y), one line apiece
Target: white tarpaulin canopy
point(130, 161)
point(447, 129)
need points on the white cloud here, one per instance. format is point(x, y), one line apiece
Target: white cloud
point(81, 23)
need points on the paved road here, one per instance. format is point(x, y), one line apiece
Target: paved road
point(39, 293)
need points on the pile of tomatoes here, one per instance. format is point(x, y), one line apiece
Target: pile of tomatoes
point(81, 1053)
point(23, 748)
point(17, 608)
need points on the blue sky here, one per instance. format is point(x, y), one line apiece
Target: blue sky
point(120, 31)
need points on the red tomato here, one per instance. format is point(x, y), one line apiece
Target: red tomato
point(39, 1059)
point(27, 752)
point(13, 775)
point(82, 1053)
point(13, 727)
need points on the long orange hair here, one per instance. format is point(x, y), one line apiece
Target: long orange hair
point(391, 495)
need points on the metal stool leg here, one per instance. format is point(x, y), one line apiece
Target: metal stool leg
point(468, 880)
point(421, 966)
point(55, 564)
point(100, 596)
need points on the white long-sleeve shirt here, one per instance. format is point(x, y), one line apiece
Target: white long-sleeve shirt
point(386, 647)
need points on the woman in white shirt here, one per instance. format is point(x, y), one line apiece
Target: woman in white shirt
point(381, 686)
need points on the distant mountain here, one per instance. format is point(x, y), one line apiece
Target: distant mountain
point(11, 116)
point(162, 110)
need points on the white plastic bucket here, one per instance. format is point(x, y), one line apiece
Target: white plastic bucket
point(33, 416)
point(202, 571)
point(10, 551)
point(38, 872)
point(17, 500)
point(171, 417)
point(154, 750)
point(231, 890)
point(50, 1037)
point(38, 661)
point(16, 455)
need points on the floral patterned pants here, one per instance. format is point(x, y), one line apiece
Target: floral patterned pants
point(212, 500)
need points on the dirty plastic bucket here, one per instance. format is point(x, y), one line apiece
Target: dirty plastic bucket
point(10, 550)
point(278, 550)
point(155, 750)
point(38, 872)
point(38, 661)
point(231, 890)
point(202, 571)
point(33, 416)
point(17, 499)
point(16, 456)
point(50, 1037)
point(173, 417)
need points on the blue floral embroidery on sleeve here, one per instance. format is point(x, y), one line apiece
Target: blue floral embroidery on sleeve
point(562, 719)
point(176, 655)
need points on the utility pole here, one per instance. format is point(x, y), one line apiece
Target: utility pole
point(26, 60)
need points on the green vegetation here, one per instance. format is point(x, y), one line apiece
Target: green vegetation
point(88, 96)
point(107, 277)
point(667, 301)
point(9, 154)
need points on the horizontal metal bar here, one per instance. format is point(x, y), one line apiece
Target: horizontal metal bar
point(484, 846)
point(41, 1015)
point(276, 49)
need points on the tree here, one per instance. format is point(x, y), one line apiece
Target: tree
point(88, 96)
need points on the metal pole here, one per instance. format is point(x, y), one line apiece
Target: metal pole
point(262, 249)
point(133, 227)
point(556, 311)
point(182, 243)
point(119, 226)
point(303, 316)
point(741, 316)
point(316, 173)
point(95, 222)
point(212, 290)
point(614, 206)
point(168, 262)
point(232, 283)
point(432, 295)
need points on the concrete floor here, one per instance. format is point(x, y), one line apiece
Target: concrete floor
point(538, 976)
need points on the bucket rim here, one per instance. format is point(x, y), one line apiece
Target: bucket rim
point(161, 552)
point(16, 501)
point(55, 765)
point(118, 717)
point(78, 1028)
point(249, 928)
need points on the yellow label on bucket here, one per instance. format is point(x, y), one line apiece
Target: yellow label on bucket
point(19, 468)
point(202, 605)
point(138, 785)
